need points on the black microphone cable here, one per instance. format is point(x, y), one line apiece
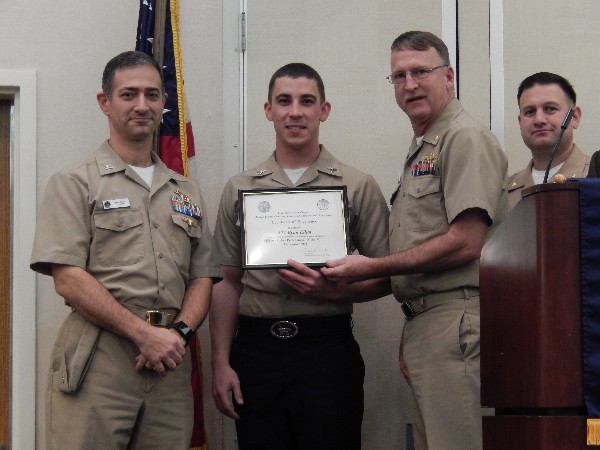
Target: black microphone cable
point(563, 127)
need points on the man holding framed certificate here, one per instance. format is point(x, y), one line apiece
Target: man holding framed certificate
point(281, 334)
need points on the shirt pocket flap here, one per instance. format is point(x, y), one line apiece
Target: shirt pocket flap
point(118, 220)
point(191, 225)
point(424, 186)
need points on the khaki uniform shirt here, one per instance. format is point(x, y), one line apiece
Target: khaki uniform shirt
point(457, 166)
point(576, 165)
point(264, 295)
point(101, 216)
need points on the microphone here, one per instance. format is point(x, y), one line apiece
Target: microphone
point(563, 127)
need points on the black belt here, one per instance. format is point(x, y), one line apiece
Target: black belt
point(291, 327)
point(414, 307)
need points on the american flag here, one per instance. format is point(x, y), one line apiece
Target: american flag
point(176, 146)
point(176, 141)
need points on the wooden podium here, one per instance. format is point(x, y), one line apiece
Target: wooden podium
point(531, 355)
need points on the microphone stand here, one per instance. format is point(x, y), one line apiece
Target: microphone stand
point(563, 127)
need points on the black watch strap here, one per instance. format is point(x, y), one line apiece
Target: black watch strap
point(184, 331)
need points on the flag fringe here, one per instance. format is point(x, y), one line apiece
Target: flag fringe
point(174, 6)
point(593, 432)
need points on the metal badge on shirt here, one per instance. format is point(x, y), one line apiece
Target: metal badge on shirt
point(116, 203)
point(183, 204)
point(426, 166)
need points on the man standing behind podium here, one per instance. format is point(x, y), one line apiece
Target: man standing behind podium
point(451, 195)
point(300, 390)
point(544, 100)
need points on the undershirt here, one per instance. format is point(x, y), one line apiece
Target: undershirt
point(538, 175)
point(295, 174)
point(145, 173)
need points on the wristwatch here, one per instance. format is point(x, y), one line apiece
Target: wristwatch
point(185, 332)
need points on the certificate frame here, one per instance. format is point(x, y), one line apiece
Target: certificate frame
point(306, 224)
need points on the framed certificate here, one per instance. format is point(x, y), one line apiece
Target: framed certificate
point(308, 225)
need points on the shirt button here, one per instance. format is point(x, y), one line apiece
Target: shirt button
point(154, 224)
point(160, 255)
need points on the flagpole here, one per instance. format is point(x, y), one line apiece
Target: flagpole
point(158, 45)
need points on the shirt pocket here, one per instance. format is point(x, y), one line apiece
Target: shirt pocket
point(119, 237)
point(185, 231)
point(424, 210)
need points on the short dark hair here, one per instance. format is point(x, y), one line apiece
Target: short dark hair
point(421, 41)
point(543, 79)
point(123, 60)
point(298, 70)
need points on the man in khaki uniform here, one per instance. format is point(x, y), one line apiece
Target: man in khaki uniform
point(544, 100)
point(451, 195)
point(129, 248)
point(294, 368)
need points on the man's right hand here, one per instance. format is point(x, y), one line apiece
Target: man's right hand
point(224, 381)
point(351, 268)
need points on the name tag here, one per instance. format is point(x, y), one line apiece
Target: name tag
point(116, 203)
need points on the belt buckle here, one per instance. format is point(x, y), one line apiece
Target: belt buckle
point(158, 318)
point(408, 310)
point(284, 329)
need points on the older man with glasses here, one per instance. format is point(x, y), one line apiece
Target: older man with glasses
point(451, 195)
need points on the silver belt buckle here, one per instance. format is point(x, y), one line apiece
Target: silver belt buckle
point(284, 329)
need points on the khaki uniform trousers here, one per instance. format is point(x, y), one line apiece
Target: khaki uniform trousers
point(116, 407)
point(441, 351)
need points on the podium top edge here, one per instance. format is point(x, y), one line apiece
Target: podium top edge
point(537, 188)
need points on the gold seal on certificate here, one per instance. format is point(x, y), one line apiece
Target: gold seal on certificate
point(308, 225)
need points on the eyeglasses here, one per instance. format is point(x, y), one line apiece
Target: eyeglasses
point(417, 74)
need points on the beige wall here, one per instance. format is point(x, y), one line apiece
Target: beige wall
point(560, 37)
point(68, 42)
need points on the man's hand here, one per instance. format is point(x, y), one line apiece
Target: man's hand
point(223, 320)
point(351, 268)
point(161, 349)
point(310, 282)
point(224, 381)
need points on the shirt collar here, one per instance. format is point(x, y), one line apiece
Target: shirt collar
point(325, 163)
point(110, 162)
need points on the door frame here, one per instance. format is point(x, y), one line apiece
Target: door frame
point(6, 112)
point(21, 86)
